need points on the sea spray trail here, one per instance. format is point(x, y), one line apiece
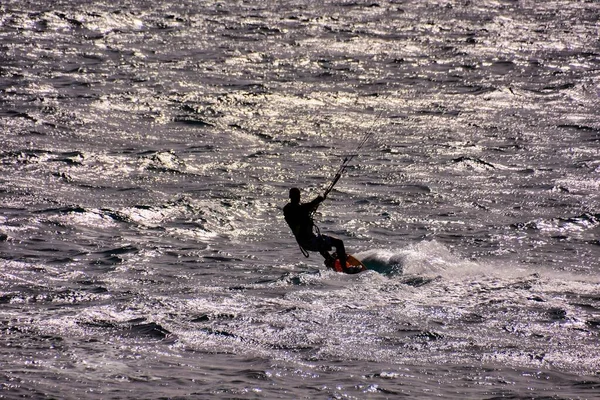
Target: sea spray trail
point(424, 258)
point(147, 151)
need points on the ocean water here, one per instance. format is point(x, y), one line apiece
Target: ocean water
point(147, 149)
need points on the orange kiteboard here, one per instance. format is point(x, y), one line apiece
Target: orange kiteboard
point(353, 265)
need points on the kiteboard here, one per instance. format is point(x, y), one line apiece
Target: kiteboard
point(353, 264)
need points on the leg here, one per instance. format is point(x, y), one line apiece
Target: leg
point(327, 242)
point(340, 250)
point(322, 244)
point(329, 260)
point(324, 248)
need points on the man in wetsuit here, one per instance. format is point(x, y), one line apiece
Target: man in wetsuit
point(299, 217)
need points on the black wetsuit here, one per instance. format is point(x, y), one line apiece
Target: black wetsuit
point(298, 217)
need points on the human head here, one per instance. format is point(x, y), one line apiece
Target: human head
point(295, 195)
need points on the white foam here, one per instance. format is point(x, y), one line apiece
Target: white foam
point(431, 258)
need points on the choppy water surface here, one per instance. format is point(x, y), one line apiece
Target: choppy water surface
point(147, 149)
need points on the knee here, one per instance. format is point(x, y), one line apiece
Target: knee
point(338, 243)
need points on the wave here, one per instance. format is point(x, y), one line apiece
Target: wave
point(422, 262)
point(423, 258)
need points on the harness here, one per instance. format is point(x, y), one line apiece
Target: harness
point(304, 251)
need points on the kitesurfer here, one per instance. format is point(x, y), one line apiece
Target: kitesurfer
point(299, 217)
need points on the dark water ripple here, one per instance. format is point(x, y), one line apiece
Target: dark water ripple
point(147, 149)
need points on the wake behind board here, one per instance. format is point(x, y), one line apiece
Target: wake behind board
point(353, 265)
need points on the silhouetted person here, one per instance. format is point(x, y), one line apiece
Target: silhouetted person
point(299, 217)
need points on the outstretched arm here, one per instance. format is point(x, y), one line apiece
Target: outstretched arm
point(313, 205)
